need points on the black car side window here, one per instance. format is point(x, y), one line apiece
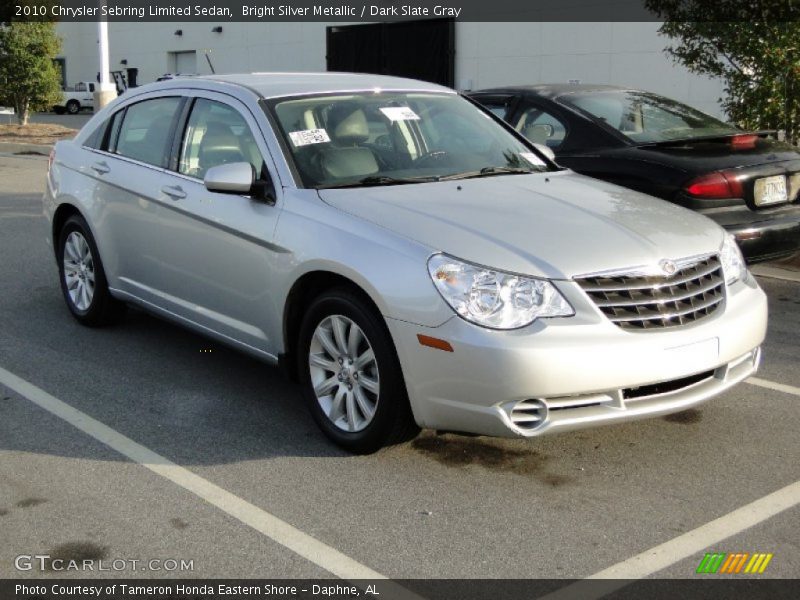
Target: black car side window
point(541, 127)
point(499, 105)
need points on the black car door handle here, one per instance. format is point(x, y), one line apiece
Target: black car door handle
point(101, 168)
point(174, 191)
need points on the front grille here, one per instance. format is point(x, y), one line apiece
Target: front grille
point(634, 301)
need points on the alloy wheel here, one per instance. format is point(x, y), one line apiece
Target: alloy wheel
point(79, 274)
point(344, 373)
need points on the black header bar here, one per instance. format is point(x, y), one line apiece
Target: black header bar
point(354, 11)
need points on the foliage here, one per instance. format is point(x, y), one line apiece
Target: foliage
point(29, 79)
point(754, 47)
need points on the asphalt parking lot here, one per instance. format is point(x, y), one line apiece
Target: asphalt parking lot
point(243, 459)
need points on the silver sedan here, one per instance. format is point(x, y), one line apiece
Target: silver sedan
point(407, 257)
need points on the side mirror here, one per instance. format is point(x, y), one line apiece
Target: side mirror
point(232, 178)
point(546, 150)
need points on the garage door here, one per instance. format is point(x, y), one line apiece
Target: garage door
point(183, 62)
point(418, 49)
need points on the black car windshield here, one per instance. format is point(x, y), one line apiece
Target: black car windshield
point(392, 138)
point(645, 118)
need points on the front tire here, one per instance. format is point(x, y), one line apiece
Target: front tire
point(73, 107)
point(83, 280)
point(352, 381)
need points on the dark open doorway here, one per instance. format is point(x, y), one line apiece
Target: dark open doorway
point(417, 49)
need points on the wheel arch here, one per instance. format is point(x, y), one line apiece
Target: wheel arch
point(62, 213)
point(305, 289)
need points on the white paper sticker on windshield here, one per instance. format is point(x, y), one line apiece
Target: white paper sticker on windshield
point(400, 113)
point(309, 136)
point(532, 158)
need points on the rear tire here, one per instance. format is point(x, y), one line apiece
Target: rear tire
point(352, 380)
point(83, 280)
point(73, 107)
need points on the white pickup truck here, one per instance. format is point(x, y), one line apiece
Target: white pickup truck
point(75, 99)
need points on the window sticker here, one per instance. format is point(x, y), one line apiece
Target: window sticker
point(309, 136)
point(400, 113)
point(532, 158)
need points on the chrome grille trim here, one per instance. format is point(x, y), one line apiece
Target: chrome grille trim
point(622, 287)
point(638, 300)
point(708, 287)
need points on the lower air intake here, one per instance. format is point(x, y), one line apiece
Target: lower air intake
point(528, 414)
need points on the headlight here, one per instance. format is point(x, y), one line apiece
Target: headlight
point(492, 298)
point(733, 264)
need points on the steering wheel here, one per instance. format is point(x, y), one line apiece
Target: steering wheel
point(433, 156)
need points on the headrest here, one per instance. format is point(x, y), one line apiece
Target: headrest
point(219, 134)
point(219, 146)
point(347, 124)
point(349, 162)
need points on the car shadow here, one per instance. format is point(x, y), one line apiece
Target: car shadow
point(197, 402)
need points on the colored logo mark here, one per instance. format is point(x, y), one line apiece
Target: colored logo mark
point(734, 563)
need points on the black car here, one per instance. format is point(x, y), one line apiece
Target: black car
point(746, 182)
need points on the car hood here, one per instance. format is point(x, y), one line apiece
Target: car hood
point(556, 225)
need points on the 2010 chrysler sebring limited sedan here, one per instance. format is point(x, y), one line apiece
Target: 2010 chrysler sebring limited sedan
point(410, 259)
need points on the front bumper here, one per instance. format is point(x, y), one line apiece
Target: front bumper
point(581, 371)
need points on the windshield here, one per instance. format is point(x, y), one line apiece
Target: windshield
point(643, 117)
point(390, 138)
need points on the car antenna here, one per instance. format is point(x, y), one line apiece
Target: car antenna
point(208, 59)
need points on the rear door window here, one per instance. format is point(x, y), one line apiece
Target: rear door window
point(145, 133)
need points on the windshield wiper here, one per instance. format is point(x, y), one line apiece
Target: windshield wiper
point(488, 172)
point(374, 180)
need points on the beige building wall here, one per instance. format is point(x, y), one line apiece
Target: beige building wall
point(487, 54)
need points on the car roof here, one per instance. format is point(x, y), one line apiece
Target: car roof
point(276, 85)
point(552, 90)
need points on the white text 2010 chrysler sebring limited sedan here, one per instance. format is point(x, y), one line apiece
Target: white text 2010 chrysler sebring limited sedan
point(409, 258)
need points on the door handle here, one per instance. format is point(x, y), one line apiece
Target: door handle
point(174, 191)
point(101, 168)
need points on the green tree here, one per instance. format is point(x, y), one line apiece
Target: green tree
point(29, 79)
point(754, 47)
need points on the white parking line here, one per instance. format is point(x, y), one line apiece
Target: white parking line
point(776, 272)
point(271, 526)
point(771, 385)
point(690, 543)
point(613, 578)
